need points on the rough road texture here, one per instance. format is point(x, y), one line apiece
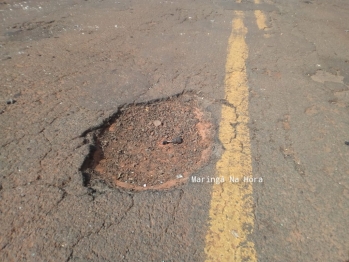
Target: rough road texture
point(303, 206)
point(70, 64)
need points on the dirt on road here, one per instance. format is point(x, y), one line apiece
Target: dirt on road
point(155, 145)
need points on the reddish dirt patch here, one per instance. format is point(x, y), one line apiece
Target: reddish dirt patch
point(131, 153)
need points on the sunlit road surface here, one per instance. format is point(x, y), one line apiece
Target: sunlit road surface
point(273, 78)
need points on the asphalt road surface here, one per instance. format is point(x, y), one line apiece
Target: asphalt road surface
point(272, 77)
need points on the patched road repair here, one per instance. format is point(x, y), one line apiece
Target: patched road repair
point(174, 130)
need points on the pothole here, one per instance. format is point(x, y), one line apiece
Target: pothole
point(151, 146)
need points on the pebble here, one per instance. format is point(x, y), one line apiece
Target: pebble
point(177, 140)
point(10, 101)
point(157, 123)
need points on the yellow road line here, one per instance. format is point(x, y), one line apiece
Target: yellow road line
point(231, 211)
point(260, 17)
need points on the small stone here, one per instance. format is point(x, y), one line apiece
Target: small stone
point(347, 143)
point(177, 140)
point(10, 101)
point(157, 123)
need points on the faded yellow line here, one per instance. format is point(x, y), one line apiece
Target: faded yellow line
point(261, 20)
point(260, 17)
point(231, 211)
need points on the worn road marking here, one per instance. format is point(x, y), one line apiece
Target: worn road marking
point(260, 17)
point(231, 212)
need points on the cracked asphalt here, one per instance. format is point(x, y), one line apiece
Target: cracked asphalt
point(71, 65)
